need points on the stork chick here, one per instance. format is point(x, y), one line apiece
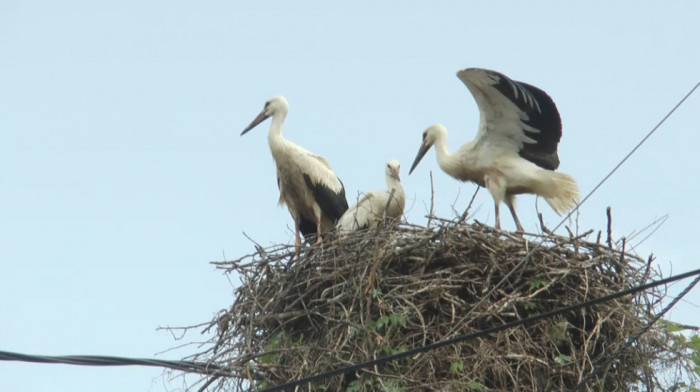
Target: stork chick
point(515, 149)
point(373, 206)
point(309, 188)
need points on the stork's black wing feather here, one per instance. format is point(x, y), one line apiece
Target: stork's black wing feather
point(542, 115)
point(308, 229)
point(333, 204)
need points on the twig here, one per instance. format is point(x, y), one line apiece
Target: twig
point(608, 213)
point(432, 200)
point(469, 206)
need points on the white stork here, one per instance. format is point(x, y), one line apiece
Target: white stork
point(369, 210)
point(515, 149)
point(313, 193)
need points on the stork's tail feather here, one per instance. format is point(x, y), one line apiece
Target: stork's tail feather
point(561, 191)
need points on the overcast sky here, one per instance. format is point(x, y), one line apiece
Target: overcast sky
point(122, 172)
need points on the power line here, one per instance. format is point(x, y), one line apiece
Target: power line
point(97, 360)
point(477, 334)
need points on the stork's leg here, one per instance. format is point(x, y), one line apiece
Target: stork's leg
point(317, 215)
point(510, 202)
point(297, 238)
point(497, 187)
point(318, 231)
point(498, 217)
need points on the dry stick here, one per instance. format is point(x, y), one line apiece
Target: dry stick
point(209, 382)
point(432, 200)
point(608, 213)
point(388, 202)
point(544, 228)
point(469, 206)
point(657, 223)
point(528, 254)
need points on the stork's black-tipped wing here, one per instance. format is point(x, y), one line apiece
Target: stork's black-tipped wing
point(308, 229)
point(515, 115)
point(333, 204)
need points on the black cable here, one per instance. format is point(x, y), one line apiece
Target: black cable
point(96, 360)
point(477, 334)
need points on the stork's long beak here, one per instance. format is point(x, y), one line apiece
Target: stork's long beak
point(261, 117)
point(421, 153)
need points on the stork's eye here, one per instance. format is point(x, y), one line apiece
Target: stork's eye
point(267, 104)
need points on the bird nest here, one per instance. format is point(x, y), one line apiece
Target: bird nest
point(384, 291)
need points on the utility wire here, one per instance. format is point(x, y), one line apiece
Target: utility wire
point(96, 360)
point(477, 334)
point(526, 258)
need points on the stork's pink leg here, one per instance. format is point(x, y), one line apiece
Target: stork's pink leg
point(498, 218)
point(297, 239)
point(509, 202)
point(318, 231)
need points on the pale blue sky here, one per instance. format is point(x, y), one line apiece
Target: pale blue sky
point(122, 172)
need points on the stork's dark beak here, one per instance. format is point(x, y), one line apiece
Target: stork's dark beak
point(261, 117)
point(421, 153)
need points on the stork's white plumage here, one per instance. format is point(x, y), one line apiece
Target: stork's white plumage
point(313, 193)
point(515, 149)
point(369, 210)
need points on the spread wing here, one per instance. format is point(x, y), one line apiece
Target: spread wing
point(515, 116)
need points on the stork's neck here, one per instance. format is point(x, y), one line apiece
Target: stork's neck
point(274, 137)
point(446, 160)
point(393, 183)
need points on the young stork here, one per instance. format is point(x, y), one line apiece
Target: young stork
point(314, 195)
point(369, 210)
point(515, 149)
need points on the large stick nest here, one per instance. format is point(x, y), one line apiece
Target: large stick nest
point(387, 290)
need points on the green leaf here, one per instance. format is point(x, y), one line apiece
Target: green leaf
point(536, 284)
point(456, 367)
point(562, 359)
point(476, 386)
point(695, 342)
point(354, 386)
point(354, 331)
point(673, 327)
point(267, 359)
point(398, 319)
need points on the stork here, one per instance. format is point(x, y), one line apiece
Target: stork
point(370, 209)
point(313, 193)
point(515, 149)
